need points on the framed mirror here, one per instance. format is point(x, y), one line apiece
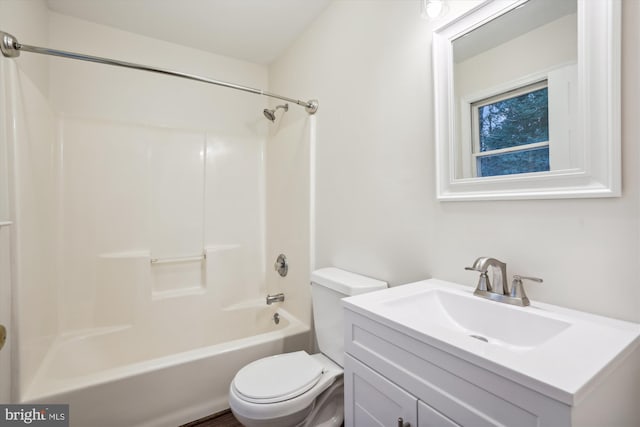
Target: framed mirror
point(527, 101)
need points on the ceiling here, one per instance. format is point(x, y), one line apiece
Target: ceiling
point(253, 30)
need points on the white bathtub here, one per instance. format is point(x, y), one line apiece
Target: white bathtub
point(144, 377)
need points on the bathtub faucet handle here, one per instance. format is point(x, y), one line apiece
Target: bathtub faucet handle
point(281, 265)
point(275, 298)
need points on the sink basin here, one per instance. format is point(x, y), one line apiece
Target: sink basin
point(552, 348)
point(476, 318)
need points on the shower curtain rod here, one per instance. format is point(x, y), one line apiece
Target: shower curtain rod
point(11, 48)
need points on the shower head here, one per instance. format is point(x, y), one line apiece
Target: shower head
point(271, 114)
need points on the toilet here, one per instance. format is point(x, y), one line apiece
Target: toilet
point(299, 389)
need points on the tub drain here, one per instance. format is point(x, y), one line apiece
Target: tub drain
point(479, 337)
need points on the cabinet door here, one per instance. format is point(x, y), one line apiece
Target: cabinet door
point(372, 400)
point(429, 417)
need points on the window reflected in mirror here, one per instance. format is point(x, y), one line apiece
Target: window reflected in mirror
point(515, 79)
point(511, 132)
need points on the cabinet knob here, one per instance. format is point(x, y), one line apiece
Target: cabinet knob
point(401, 423)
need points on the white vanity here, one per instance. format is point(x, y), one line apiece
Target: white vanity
point(431, 353)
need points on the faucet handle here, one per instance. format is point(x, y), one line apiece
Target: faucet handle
point(517, 289)
point(521, 278)
point(484, 284)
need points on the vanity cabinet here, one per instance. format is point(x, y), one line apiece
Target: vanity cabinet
point(376, 401)
point(390, 374)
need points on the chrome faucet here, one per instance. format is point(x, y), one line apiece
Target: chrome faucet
point(515, 295)
point(275, 298)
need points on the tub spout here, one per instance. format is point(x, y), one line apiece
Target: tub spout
point(275, 298)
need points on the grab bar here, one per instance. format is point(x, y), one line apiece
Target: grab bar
point(179, 259)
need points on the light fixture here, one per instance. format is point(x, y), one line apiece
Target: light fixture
point(432, 9)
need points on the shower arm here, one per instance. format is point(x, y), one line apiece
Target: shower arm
point(11, 48)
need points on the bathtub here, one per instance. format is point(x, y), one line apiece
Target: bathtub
point(140, 377)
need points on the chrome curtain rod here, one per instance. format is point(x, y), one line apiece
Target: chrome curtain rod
point(11, 48)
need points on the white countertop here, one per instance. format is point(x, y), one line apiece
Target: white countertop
point(562, 366)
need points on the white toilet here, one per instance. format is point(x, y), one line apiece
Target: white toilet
point(298, 389)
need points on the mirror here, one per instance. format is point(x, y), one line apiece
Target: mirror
point(527, 96)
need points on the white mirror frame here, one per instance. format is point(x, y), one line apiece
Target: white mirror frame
point(598, 121)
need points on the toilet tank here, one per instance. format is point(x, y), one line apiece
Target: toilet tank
point(328, 287)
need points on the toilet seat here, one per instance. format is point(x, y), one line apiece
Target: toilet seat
point(277, 378)
point(291, 411)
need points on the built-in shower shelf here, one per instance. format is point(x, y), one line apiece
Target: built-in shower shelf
point(201, 257)
point(5, 223)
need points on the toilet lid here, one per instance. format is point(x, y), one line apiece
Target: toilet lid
point(278, 378)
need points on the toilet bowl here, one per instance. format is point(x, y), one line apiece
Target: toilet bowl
point(298, 389)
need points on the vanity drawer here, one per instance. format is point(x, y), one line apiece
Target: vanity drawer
point(447, 383)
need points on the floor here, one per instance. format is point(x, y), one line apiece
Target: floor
point(220, 419)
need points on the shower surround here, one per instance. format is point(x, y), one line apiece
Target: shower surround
point(140, 235)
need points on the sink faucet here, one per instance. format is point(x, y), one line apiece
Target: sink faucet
point(275, 298)
point(515, 296)
point(482, 265)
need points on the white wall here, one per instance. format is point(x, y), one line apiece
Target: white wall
point(369, 64)
point(541, 49)
point(28, 22)
point(27, 138)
